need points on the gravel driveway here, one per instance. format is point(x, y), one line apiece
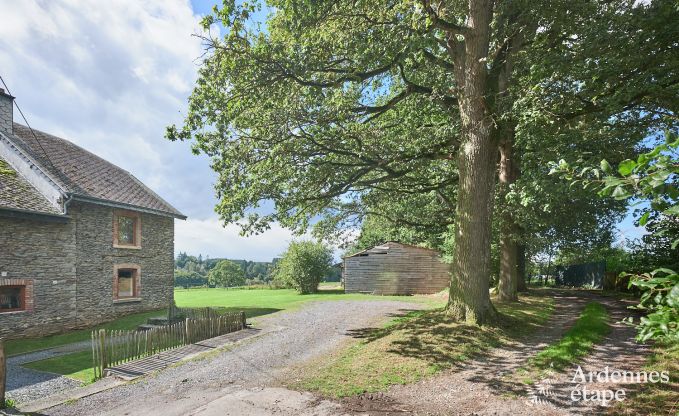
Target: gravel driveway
point(244, 379)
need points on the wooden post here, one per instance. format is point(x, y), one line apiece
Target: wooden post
point(102, 344)
point(188, 332)
point(3, 374)
point(242, 318)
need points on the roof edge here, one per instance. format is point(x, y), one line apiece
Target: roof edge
point(114, 204)
point(394, 242)
point(33, 215)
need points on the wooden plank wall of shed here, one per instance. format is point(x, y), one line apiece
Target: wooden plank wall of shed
point(399, 270)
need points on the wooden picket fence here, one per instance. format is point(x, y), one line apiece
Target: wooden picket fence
point(111, 348)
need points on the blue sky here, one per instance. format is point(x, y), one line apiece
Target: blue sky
point(111, 79)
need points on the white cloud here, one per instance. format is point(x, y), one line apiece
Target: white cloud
point(110, 77)
point(208, 237)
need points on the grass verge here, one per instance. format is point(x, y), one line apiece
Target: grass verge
point(656, 398)
point(416, 345)
point(77, 366)
point(590, 328)
point(21, 346)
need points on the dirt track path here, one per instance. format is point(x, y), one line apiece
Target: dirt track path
point(489, 385)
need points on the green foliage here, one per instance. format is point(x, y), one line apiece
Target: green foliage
point(9, 403)
point(225, 274)
point(660, 301)
point(303, 266)
point(185, 278)
point(191, 271)
point(654, 178)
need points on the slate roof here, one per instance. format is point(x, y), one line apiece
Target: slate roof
point(85, 174)
point(17, 194)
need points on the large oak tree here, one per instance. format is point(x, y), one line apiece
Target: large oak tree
point(335, 102)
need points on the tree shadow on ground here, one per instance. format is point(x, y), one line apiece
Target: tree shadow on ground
point(434, 337)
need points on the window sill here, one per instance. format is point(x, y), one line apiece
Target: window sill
point(14, 312)
point(127, 300)
point(127, 247)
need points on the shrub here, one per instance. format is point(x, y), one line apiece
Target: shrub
point(303, 266)
point(226, 273)
point(660, 300)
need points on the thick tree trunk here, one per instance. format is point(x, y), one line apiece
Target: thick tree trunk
point(521, 269)
point(469, 291)
point(509, 249)
point(469, 298)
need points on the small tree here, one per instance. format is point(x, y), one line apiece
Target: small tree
point(303, 266)
point(226, 273)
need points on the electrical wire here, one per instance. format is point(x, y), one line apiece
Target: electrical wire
point(29, 127)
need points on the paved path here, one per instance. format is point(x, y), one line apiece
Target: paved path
point(238, 382)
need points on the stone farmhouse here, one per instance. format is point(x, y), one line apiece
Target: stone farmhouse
point(82, 241)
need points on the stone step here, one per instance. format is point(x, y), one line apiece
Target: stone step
point(157, 321)
point(146, 327)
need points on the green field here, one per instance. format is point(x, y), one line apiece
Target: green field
point(257, 302)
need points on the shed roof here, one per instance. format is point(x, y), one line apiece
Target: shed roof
point(384, 247)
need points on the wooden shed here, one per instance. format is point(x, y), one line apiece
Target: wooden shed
point(395, 269)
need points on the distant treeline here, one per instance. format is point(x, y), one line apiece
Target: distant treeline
point(191, 271)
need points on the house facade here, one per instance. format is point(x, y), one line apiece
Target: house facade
point(82, 241)
point(395, 269)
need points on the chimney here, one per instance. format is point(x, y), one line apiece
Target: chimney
point(6, 112)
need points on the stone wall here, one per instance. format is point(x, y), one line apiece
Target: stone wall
point(71, 266)
point(44, 254)
point(96, 258)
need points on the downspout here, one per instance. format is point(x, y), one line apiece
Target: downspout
point(68, 201)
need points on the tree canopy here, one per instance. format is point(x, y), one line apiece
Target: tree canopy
point(402, 110)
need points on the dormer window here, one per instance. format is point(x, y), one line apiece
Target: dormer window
point(126, 229)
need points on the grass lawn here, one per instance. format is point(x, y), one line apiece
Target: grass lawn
point(20, 346)
point(77, 366)
point(416, 345)
point(265, 301)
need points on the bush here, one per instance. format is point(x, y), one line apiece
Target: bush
point(660, 300)
point(303, 266)
point(226, 273)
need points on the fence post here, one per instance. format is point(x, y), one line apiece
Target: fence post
point(3, 374)
point(188, 332)
point(102, 344)
point(242, 319)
